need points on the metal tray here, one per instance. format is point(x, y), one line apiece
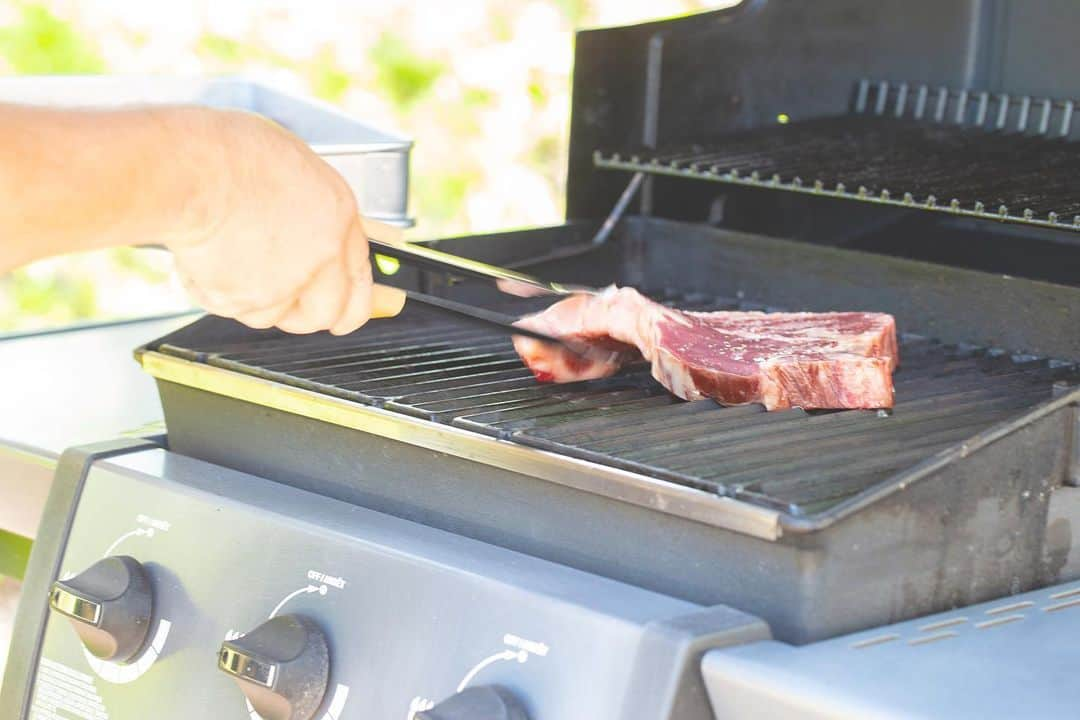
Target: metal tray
point(374, 162)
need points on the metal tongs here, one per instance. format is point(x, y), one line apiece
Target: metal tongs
point(386, 240)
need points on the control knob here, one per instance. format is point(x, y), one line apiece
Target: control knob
point(109, 604)
point(486, 702)
point(282, 667)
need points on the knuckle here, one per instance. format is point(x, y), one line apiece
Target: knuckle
point(344, 199)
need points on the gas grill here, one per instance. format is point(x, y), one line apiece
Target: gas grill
point(406, 521)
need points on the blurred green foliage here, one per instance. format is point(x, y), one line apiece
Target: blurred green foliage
point(537, 93)
point(575, 10)
point(546, 152)
point(328, 81)
point(442, 195)
point(130, 260)
point(478, 97)
point(41, 43)
point(231, 54)
point(225, 49)
point(402, 73)
point(14, 554)
point(55, 298)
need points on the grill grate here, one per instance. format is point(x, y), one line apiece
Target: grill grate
point(999, 174)
point(429, 366)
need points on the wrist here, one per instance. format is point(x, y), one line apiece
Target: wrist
point(199, 181)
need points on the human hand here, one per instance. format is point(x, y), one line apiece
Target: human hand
point(276, 238)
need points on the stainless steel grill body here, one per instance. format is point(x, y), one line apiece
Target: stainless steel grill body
point(793, 514)
point(596, 549)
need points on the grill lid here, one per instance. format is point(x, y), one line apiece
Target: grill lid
point(967, 112)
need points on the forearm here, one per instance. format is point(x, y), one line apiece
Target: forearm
point(260, 227)
point(81, 180)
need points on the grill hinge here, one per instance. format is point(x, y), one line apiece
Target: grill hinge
point(1072, 436)
point(1072, 471)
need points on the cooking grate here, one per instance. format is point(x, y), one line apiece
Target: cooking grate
point(900, 158)
point(426, 365)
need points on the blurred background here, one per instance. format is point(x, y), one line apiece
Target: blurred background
point(482, 86)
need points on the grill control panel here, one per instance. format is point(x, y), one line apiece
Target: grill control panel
point(272, 602)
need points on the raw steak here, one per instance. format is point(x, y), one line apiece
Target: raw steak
point(782, 360)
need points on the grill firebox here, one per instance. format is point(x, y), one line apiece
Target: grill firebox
point(819, 522)
point(742, 132)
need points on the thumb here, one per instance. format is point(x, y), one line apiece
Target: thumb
point(386, 301)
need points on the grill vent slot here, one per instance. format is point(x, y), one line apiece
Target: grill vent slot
point(997, 112)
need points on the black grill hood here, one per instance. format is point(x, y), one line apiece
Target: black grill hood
point(993, 69)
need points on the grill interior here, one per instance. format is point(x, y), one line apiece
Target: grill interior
point(429, 365)
point(1003, 173)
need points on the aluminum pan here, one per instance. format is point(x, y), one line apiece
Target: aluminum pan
point(374, 162)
